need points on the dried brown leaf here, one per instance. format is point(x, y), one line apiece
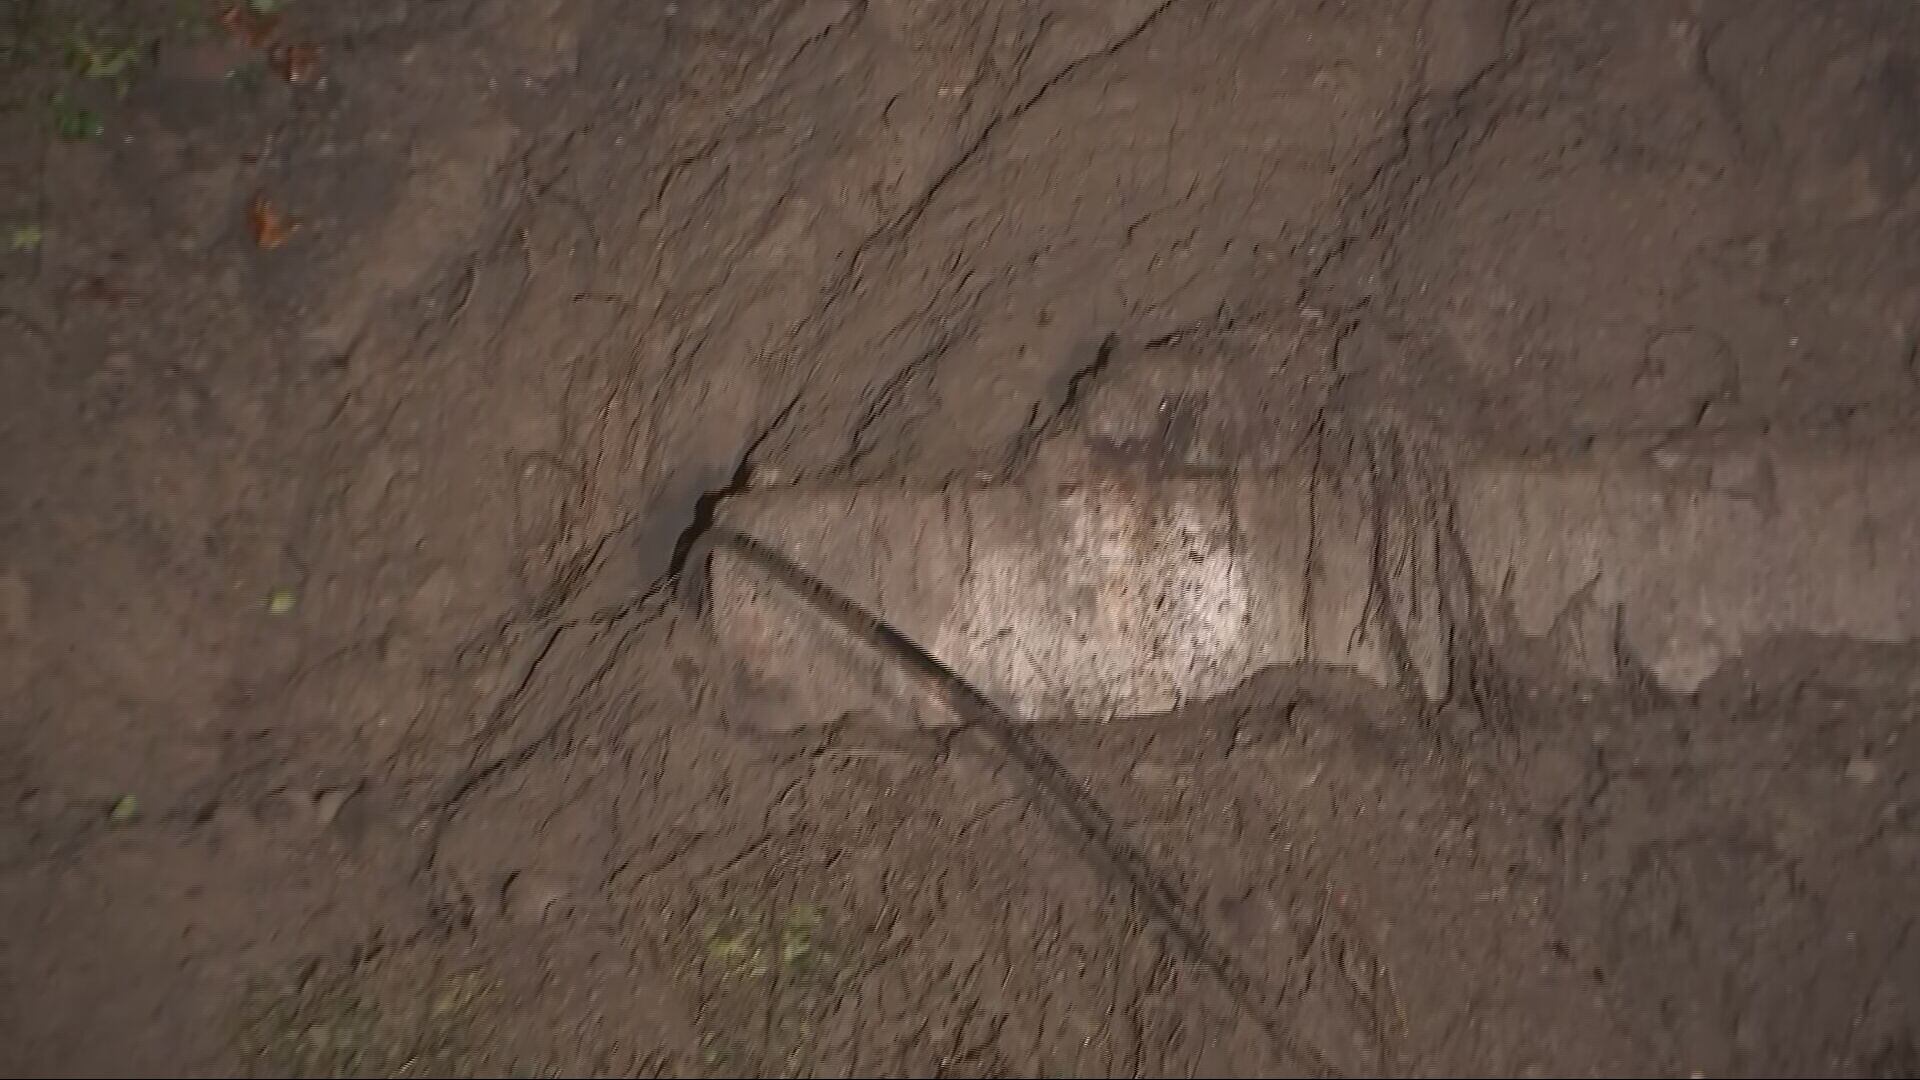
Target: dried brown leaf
point(271, 226)
point(251, 28)
point(299, 64)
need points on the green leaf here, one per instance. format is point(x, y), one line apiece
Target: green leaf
point(125, 809)
point(247, 76)
point(97, 60)
point(73, 121)
point(281, 602)
point(26, 237)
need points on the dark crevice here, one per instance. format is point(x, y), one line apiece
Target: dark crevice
point(692, 588)
point(1077, 382)
point(1037, 430)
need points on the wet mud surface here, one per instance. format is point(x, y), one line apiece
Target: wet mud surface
point(361, 377)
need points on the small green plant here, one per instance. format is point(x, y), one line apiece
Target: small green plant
point(334, 1023)
point(26, 237)
point(247, 77)
point(737, 952)
point(776, 968)
point(750, 949)
point(797, 936)
point(73, 121)
point(106, 57)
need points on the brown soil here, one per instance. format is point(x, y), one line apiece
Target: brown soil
point(352, 727)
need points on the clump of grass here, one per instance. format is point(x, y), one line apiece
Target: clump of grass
point(333, 1023)
point(72, 120)
point(774, 968)
point(77, 68)
point(108, 56)
point(749, 948)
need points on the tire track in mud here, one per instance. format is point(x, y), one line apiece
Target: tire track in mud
point(961, 712)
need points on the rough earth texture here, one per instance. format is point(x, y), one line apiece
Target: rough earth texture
point(353, 721)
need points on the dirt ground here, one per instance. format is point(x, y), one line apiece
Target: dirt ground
point(364, 366)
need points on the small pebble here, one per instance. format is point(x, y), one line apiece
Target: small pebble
point(327, 804)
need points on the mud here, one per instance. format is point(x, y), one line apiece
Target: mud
point(358, 717)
